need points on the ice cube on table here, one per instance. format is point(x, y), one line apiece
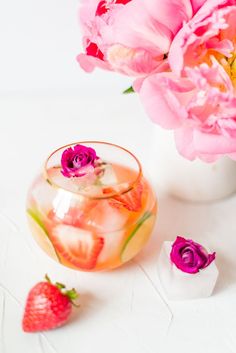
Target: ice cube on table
point(179, 285)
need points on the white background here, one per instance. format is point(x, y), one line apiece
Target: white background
point(39, 43)
point(47, 101)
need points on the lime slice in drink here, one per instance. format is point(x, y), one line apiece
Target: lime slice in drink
point(40, 233)
point(138, 237)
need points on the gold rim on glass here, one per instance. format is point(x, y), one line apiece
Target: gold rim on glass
point(130, 186)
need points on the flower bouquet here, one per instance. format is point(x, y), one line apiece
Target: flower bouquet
point(181, 56)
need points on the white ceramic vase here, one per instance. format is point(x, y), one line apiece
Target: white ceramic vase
point(195, 181)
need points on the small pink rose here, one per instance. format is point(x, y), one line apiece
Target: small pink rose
point(78, 161)
point(190, 257)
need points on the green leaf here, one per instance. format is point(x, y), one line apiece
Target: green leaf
point(138, 225)
point(72, 295)
point(129, 90)
point(48, 181)
point(60, 285)
point(47, 278)
point(37, 217)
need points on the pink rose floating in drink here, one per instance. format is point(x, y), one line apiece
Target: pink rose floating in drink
point(78, 161)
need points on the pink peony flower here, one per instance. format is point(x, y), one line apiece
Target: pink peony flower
point(195, 96)
point(189, 256)
point(78, 161)
point(131, 36)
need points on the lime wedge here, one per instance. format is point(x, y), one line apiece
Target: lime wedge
point(138, 237)
point(40, 233)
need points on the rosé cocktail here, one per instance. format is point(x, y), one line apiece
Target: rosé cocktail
point(91, 208)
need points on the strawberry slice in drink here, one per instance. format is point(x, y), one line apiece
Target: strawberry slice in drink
point(78, 246)
point(131, 200)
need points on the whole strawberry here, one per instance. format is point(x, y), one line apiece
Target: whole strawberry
point(48, 306)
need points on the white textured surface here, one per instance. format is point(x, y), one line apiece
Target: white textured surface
point(124, 310)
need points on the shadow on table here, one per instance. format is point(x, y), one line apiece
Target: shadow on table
point(86, 301)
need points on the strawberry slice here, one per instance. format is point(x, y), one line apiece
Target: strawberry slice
point(78, 246)
point(131, 200)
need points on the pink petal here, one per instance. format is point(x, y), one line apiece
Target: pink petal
point(224, 47)
point(159, 96)
point(196, 4)
point(88, 63)
point(137, 84)
point(184, 142)
point(135, 27)
point(172, 13)
point(232, 156)
point(132, 62)
point(213, 143)
point(191, 42)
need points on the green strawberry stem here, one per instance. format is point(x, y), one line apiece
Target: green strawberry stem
point(60, 285)
point(71, 294)
point(47, 278)
point(37, 217)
